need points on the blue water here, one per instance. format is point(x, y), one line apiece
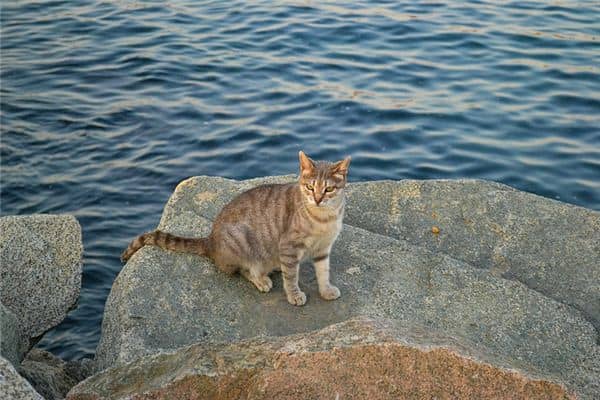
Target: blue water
point(106, 106)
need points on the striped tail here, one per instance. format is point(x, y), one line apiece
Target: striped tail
point(167, 241)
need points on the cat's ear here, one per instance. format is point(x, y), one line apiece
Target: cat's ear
point(341, 167)
point(306, 164)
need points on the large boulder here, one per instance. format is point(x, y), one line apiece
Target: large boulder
point(40, 269)
point(13, 386)
point(163, 300)
point(51, 376)
point(549, 246)
point(13, 344)
point(358, 359)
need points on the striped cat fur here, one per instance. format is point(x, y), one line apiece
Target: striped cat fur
point(273, 228)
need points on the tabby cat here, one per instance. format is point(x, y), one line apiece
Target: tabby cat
point(273, 227)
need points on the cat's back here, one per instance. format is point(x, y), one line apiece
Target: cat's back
point(270, 202)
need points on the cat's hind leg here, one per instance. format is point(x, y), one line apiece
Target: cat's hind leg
point(261, 280)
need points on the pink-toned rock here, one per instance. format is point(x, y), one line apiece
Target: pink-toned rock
point(358, 359)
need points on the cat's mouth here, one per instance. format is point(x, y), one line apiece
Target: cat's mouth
point(325, 203)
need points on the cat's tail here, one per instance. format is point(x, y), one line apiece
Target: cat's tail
point(166, 241)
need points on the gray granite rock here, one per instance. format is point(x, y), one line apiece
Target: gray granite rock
point(550, 246)
point(51, 376)
point(40, 269)
point(163, 300)
point(13, 344)
point(13, 386)
point(357, 359)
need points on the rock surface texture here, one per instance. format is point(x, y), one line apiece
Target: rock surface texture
point(13, 386)
point(13, 344)
point(50, 376)
point(40, 269)
point(549, 246)
point(358, 359)
point(463, 281)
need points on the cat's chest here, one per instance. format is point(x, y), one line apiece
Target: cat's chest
point(323, 236)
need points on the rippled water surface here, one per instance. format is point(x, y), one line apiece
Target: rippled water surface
point(107, 105)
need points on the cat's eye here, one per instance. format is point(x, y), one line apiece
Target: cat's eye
point(310, 187)
point(329, 189)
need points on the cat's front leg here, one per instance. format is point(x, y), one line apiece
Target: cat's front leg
point(326, 289)
point(290, 255)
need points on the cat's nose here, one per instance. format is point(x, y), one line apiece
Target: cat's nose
point(318, 199)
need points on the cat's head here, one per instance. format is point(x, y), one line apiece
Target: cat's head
point(322, 183)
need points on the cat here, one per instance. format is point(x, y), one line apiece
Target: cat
point(271, 228)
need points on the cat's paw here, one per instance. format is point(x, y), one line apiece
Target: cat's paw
point(297, 298)
point(263, 284)
point(330, 293)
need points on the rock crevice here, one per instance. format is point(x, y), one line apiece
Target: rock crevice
point(40, 280)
